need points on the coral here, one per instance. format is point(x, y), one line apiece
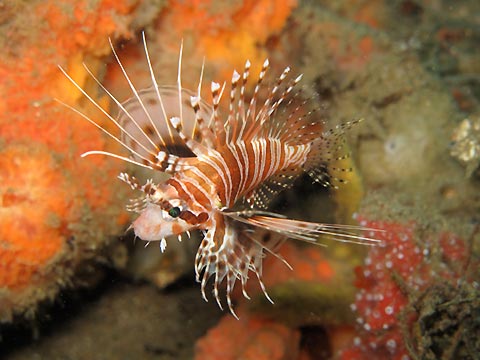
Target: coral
point(308, 301)
point(69, 33)
point(370, 13)
point(225, 34)
point(55, 207)
point(466, 144)
point(307, 296)
point(316, 291)
point(410, 293)
point(34, 199)
point(309, 264)
point(251, 337)
point(216, 26)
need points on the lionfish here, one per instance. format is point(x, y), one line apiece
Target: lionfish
point(239, 158)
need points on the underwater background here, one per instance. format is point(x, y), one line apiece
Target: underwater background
point(75, 285)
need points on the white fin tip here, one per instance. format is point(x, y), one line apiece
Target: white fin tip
point(161, 156)
point(175, 121)
point(163, 245)
point(235, 76)
point(215, 86)
point(194, 100)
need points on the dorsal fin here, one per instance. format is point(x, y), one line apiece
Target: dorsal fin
point(170, 141)
point(217, 124)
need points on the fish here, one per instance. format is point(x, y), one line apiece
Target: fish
point(227, 158)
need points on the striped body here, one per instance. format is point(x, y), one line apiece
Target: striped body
point(229, 170)
point(236, 169)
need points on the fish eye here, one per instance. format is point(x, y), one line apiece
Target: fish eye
point(174, 211)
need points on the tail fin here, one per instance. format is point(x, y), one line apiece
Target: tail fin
point(329, 160)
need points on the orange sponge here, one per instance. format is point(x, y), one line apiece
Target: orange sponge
point(33, 196)
point(248, 338)
point(226, 33)
point(54, 206)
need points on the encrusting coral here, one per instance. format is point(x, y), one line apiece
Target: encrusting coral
point(418, 296)
point(251, 337)
point(466, 144)
point(216, 26)
point(315, 293)
point(55, 207)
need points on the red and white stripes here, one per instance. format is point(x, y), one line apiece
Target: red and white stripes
point(237, 162)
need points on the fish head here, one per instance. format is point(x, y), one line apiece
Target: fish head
point(164, 215)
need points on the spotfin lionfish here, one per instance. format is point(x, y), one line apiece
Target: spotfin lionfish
point(240, 157)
